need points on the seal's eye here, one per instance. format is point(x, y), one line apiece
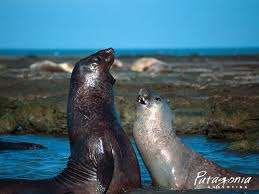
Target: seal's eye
point(95, 59)
point(158, 99)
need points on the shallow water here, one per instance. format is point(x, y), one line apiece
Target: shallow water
point(39, 164)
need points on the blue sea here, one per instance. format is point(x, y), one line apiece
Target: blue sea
point(45, 163)
point(134, 52)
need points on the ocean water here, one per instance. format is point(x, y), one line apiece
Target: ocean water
point(134, 52)
point(45, 163)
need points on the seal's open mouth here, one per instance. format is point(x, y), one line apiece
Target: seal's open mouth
point(143, 96)
point(141, 100)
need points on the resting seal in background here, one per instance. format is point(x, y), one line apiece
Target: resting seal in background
point(170, 163)
point(102, 158)
point(7, 145)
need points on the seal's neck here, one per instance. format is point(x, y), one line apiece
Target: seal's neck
point(156, 122)
point(89, 103)
point(87, 109)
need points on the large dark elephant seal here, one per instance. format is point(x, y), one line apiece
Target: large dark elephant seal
point(170, 163)
point(102, 159)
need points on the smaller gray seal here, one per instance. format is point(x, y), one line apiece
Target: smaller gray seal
point(171, 164)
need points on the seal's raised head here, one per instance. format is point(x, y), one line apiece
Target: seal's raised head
point(153, 108)
point(94, 69)
point(100, 61)
point(91, 82)
point(153, 105)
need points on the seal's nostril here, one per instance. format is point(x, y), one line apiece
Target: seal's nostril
point(109, 50)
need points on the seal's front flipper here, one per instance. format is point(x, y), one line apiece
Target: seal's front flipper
point(104, 163)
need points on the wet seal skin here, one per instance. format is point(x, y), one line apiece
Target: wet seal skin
point(102, 159)
point(171, 164)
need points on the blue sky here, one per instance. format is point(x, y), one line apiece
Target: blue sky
point(86, 24)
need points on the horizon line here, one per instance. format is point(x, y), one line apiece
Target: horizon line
point(132, 48)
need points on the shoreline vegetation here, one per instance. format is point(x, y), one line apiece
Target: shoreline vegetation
point(213, 96)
